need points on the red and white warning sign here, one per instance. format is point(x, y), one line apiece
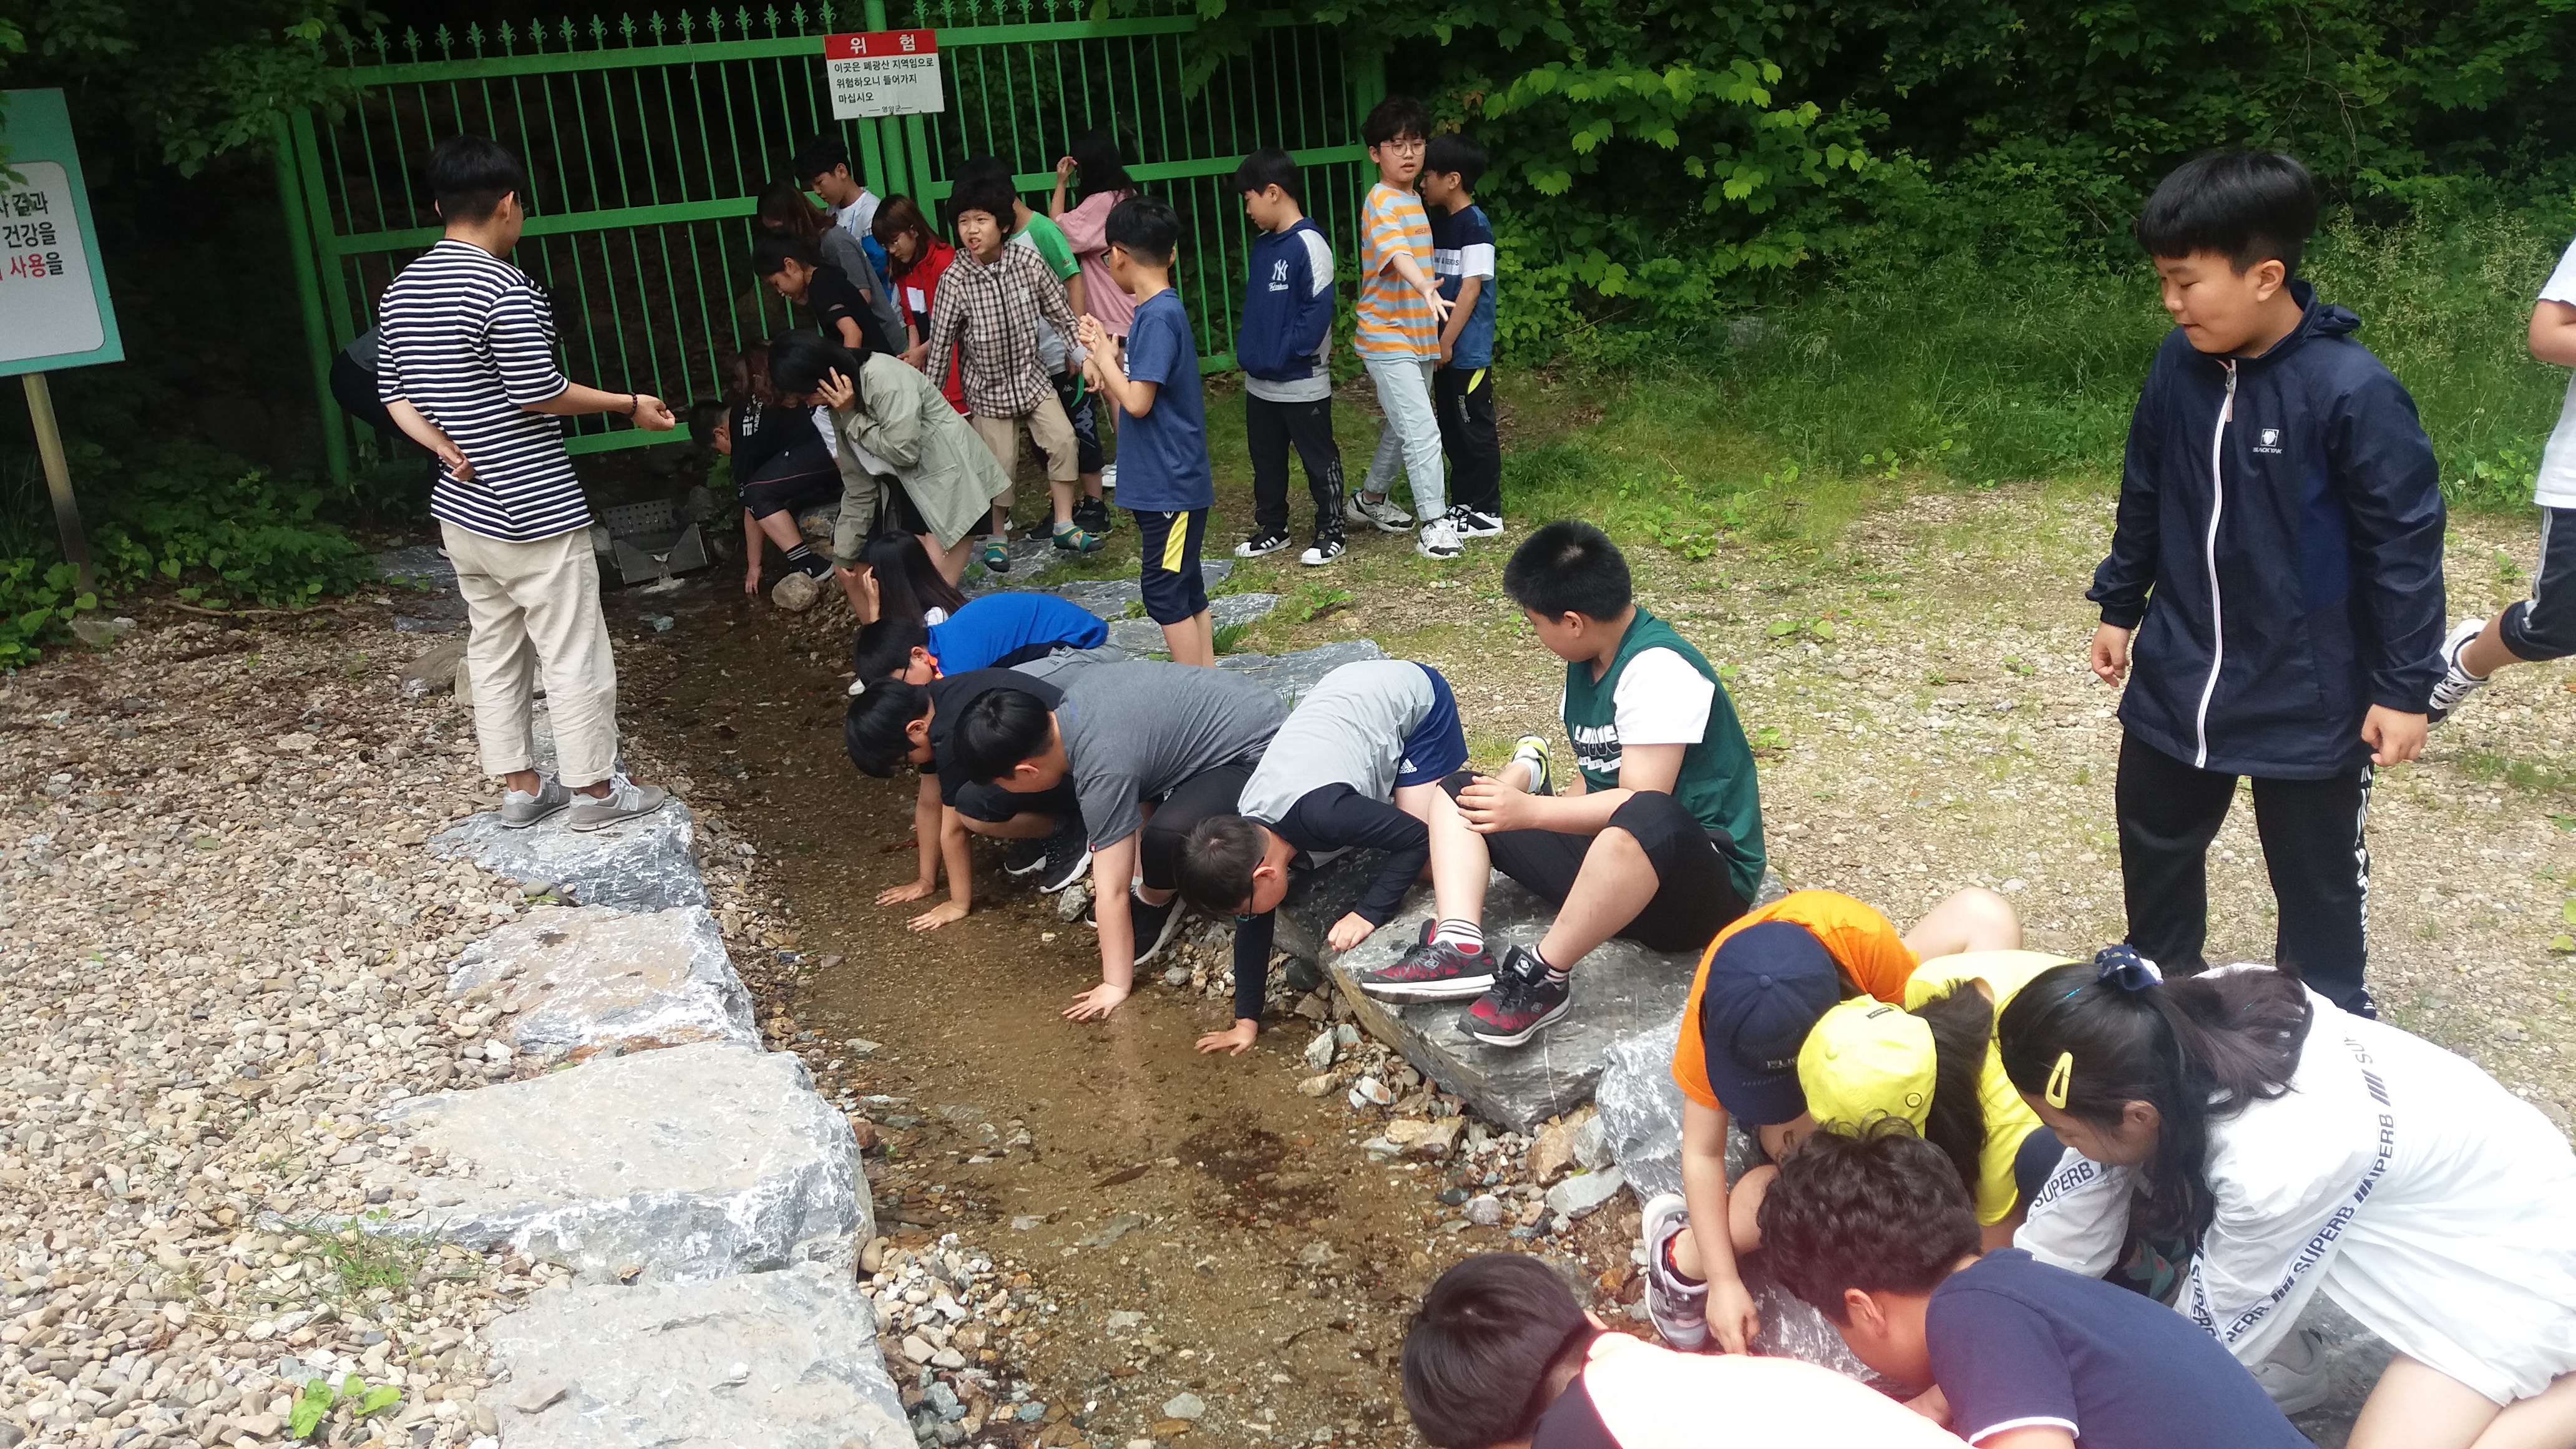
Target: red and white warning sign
point(884, 73)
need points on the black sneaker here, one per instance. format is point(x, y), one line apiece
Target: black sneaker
point(816, 567)
point(1022, 856)
point(1063, 857)
point(1522, 1004)
point(1263, 544)
point(1092, 514)
point(1430, 970)
point(1326, 548)
point(1155, 926)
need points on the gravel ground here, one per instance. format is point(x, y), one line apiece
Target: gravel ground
point(225, 948)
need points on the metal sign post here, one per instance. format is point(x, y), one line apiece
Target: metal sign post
point(52, 290)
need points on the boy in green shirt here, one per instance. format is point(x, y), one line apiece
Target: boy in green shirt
point(1661, 842)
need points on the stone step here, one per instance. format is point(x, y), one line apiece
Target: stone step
point(1295, 673)
point(700, 1161)
point(643, 865)
point(1143, 636)
point(783, 1360)
point(582, 978)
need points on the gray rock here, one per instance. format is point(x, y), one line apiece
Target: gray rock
point(1176, 976)
point(434, 671)
point(1294, 674)
point(1591, 1149)
point(596, 976)
point(1109, 598)
point(1142, 637)
point(1641, 1109)
point(1485, 1210)
point(1072, 901)
point(1579, 1195)
point(424, 562)
point(1184, 1406)
point(1112, 1230)
point(784, 1360)
point(697, 1162)
point(643, 865)
point(1319, 1052)
point(100, 633)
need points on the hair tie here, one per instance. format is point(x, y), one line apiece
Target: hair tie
point(2123, 967)
point(2059, 1078)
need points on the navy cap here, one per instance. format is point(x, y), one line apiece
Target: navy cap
point(1767, 988)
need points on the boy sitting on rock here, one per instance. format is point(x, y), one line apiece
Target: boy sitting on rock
point(1662, 841)
point(1355, 765)
point(1179, 737)
point(1501, 1356)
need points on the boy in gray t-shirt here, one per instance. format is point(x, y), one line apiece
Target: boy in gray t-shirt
point(1355, 765)
point(1124, 734)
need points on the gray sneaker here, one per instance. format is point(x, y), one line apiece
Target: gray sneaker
point(625, 800)
point(1382, 513)
point(519, 809)
point(1679, 1308)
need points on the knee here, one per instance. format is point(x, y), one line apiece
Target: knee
point(1985, 920)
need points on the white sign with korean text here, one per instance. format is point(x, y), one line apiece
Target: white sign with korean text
point(45, 290)
point(884, 73)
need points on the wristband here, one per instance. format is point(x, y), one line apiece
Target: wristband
point(633, 402)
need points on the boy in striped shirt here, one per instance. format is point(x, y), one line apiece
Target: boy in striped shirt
point(466, 367)
point(1398, 334)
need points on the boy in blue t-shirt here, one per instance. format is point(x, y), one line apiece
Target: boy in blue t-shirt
point(993, 631)
point(1163, 473)
point(1462, 391)
point(1877, 1231)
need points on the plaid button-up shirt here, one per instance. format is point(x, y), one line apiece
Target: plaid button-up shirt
point(994, 310)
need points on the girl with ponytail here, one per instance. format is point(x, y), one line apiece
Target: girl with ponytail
point(2274, 1146)
point(899, 446)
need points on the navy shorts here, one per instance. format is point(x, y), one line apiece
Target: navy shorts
point(794, 479)
point(1438, 746)
point(2544, 625)
point(1175, 588)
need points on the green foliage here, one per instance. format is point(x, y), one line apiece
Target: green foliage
point(180, 515)
point(1229, 640)
point(318, 1399)
point(1312, 601)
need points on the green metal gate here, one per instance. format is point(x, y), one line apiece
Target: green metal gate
point(648, 141)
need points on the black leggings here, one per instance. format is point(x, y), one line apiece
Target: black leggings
point(1158, 845)
point(1695, 894)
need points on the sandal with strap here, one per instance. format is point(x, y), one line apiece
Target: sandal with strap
point(1072, 538)
point(997, 555)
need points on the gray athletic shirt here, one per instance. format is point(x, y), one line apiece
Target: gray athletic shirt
point(1349, 730)
point(1137, 731)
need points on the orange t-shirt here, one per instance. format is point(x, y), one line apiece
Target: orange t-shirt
point(1867, 945)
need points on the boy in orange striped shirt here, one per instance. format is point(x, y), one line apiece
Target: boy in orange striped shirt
point(1398, 334)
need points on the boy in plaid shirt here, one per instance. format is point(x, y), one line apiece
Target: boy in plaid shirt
point(989, 305)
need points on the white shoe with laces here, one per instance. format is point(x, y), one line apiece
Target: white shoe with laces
point(2456, 683)
point(1438, 540)
point(1679, 1309)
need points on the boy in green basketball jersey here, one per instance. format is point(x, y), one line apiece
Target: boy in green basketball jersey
point(1662, 841)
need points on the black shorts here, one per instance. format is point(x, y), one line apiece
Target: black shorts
point(992, 804)
point(1158, 845)
point(1086, 426)
point(794, 479)
point(1175, 588)
point(1695, 895)
point(2544, 625)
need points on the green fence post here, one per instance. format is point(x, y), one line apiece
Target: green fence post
point(308, 289)
point(1368, 77)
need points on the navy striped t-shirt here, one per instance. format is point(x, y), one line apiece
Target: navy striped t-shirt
point(469, 340)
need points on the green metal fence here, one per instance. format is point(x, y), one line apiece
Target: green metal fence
point(648, 141)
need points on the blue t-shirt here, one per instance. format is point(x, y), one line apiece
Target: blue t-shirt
point(2016, 1342)
point(1163, 456)
point(997, 630)
point(1462, 246)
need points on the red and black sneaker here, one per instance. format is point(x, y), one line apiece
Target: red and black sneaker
point(1431, 970)
point(1522, 1004)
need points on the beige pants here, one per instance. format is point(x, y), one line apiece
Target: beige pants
point(532, 606)
point(1049, 429)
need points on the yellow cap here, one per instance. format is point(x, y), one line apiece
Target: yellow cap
point(1866, 1060)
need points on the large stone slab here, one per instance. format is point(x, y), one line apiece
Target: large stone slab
point(644, 865)
point(1295, 673)
point(1111, 598)
point(1225, 611)
point(697, 1162)
point(785, 1360)
point(578, 979)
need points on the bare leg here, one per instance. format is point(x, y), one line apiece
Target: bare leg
point(1415, 800)
point(951, 561)
point(2417, 1407)
point(782, 530)
point(1461, 867)
point(1061, 494)
point(1743, 1206)
point(1616, 882)
point(1974, 919)
point(2546, 1420)
point(2486, 654)
point(1027, 825)
point(1192, 640)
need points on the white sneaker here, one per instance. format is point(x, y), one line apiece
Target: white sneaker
point(1438, 539)
point(2296, 1375)
point(1109, 476)
point(2456, 683)
point(1322, 551)
point(1382, 513)
point(625, 800)
point(1679, 1309)
point(1473, 524)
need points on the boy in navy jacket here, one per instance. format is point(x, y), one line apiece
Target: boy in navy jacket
point(1287, 329)
point(2278, 554)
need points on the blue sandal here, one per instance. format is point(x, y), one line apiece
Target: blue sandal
point(997, 555)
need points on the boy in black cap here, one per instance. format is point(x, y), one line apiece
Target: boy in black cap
point(1763, 984)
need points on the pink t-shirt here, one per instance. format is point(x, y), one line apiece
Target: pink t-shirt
point(1085, 230)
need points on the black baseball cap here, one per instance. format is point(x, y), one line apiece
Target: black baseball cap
point(1767, 987)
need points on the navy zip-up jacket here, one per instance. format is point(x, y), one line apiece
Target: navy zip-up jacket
point(1288, 307)
point(2278, 551)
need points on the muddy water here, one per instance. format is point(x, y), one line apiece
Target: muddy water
point(1276, 1261)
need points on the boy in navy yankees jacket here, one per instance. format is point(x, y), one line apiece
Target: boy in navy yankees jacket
point(1287, 329)
point(2278, 555)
